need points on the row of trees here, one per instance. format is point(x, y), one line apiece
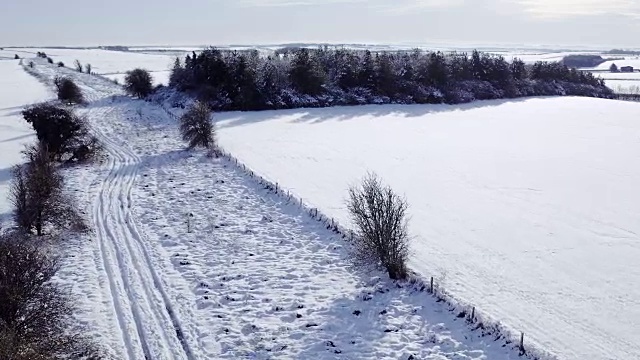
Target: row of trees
point(294, 77)
point(36, 314)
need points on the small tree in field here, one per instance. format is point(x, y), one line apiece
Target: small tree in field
point(614, 68)
point(87, 68)
point(138, 82)
point(16, 57)
point(78, 65)
point(380, 218)
point(196, 127)
point(68, 91)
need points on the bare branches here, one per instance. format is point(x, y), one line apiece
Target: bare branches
point(196, 127)
point(35, 315)
point(36, 193)
point(380, 217)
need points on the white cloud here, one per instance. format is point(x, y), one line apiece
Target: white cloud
point(554, 9)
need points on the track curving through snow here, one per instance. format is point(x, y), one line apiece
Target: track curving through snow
point(158, 331)
point(143, 313)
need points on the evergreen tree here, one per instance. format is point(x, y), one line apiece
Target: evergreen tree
point(304, 73)
point(367, 73)
point(385, 78)
point(437, 70)
point(518, 69)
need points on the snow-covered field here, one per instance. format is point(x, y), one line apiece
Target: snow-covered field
point(17, 90)
point(531, 219)
point(627, 61)
point(525, 208)
point(114, 64)
point(624, 86)
point(251, 277)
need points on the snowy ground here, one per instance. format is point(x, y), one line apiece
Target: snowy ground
point(624, 86)
point(17, 90)
point(527, 208)
point(254, 278)
point(113, 64)
point(627, 61)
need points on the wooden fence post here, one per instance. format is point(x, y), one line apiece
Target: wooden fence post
point(522, 343)
point(432, 284)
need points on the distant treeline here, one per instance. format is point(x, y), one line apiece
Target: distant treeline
point(301, 77)
point(623, 52)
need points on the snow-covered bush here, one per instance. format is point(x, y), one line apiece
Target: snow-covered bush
point(196, 127)
point(138, 82)
point(64, 134)
point(68, 91)
point(380, 218)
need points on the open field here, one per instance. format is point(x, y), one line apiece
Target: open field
point(113, 64)
point(250, 275)
point(527, 209)
point(17, 90)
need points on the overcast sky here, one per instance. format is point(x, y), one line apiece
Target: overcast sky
point(601, 23)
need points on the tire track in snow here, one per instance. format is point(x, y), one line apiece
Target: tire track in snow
point(145, 318)
point(129, 168)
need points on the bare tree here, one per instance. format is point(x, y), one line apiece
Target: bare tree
point(36, 193)
point(196, 127)
point(19, 198)
point(35, 315)
point(87, 68)
point(382, 228)
point(78, 65)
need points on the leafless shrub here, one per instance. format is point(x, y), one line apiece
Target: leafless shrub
point(196, 127)
point(380, 218)
point(36, 193)
point(35, 315)
point(18, 196)
point(78, 65)
point(87, 68)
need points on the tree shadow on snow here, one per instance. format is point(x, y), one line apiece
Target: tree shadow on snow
point(345, 113)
